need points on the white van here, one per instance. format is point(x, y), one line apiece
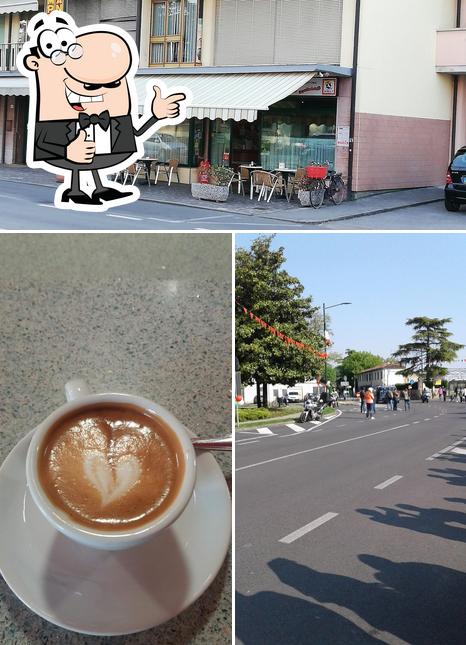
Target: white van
point(294, 395)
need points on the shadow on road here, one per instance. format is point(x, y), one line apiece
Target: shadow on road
point(434, 521)
point(419, 603)
point(452, 476)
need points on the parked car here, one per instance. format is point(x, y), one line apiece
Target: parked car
point(294, 395)
point(164, 147)
point(455, 187)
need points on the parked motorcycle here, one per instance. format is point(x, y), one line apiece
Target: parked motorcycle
point(312, 411)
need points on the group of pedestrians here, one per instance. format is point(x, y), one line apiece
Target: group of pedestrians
point(392, 400)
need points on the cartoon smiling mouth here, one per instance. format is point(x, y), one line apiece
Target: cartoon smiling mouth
point(76, 100)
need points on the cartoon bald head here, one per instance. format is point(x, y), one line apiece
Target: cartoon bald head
point(85, 73)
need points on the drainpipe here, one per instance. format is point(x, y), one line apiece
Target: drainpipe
point(138, 24)
point(357, 21)
point(455, 88)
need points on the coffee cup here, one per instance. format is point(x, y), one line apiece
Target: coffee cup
point(110, 470)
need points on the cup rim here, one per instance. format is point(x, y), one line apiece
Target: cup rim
point(70, 527)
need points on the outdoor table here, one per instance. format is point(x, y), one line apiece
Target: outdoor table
point(148, 161)
point(285, 172)
point(251, 170)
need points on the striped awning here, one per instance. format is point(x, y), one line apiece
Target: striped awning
point(14, 86)
point(229, 96)
point(17, 7)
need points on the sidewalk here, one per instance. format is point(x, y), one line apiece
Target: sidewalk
point(277, 209)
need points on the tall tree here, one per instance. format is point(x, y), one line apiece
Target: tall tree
point(429, 348)
point(355, 362)
point(264, 287)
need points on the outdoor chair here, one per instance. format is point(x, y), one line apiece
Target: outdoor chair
point(265, 183)
point(135, 170)
point(169, 168)
point(294, 181)
point(241, 178)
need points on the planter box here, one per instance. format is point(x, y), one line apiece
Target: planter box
point(210, 192)
point(304, 197)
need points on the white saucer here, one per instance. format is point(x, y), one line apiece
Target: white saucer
point(111, 592)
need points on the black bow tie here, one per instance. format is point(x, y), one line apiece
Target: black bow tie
point(103, 119)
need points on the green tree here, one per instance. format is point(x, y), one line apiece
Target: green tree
point(264, 287)
point(355, 362)
point(429, 348)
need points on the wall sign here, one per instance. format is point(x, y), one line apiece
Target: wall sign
point(55, 5)
point(318, 87)
point(343, 136)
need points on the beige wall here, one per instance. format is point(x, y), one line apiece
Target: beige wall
point(397, 58)
point(347, 33)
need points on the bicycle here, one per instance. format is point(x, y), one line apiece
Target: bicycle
point(333, 190)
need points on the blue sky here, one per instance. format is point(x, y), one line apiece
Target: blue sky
point(387, 278)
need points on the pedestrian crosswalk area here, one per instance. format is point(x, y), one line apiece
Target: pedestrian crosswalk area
point(278, 430)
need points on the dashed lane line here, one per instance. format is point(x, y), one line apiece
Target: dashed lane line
point(388, 482)
point(307, 528)
point(328, 445)
point(442, 452)
point(138, 219)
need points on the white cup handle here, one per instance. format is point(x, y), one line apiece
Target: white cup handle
point(76, 389)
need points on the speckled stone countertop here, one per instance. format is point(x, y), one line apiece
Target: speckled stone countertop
point(146, 314)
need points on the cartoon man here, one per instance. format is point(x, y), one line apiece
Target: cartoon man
point(82, 106)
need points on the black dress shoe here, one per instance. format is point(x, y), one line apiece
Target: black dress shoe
point(79, 197)
point(106, 194)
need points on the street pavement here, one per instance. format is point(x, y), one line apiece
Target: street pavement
point(354, 531)
point(26, 203)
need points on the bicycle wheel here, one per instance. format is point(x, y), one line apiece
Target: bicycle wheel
point(317, 193)
point(338, 190)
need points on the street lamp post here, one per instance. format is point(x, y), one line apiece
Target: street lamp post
point(324, 309)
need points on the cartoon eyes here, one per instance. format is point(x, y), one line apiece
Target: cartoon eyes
point(56, 45)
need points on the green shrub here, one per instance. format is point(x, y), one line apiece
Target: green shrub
point(253, 414)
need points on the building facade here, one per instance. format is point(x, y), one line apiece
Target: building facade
point(384, 375)
point(373, 87)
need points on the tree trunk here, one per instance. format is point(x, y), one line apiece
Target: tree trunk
point(265, 400)
point(258, 396)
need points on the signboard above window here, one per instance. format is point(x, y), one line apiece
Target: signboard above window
point(318, 87)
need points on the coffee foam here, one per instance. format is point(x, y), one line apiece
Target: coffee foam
point(111, 466)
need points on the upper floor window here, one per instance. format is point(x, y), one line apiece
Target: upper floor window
point(176, 32)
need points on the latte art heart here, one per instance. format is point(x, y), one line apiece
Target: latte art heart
point(111, 467)
point(112, 483)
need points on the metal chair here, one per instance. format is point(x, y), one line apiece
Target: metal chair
point(294, 181)
point(135, 170)
point(170, 168)
point(265, 183)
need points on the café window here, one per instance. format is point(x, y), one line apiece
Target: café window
point(172, 142)
point(176, 32)
point(299, 132)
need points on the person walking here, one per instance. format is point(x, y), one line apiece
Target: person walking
point(396, 400)
point(369, 401)
point(362, 401)
point(389, 400)
point(407, 399)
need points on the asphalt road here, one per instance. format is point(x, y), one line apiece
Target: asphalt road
point(430, 217)
point(25, 206)
point(354, 531)
point(30, 207)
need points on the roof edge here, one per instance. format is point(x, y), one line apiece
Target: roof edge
point(331, 70)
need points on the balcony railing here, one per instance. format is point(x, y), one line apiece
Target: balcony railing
point(8, 56)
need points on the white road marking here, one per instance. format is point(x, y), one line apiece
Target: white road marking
point(427, 419)
point(416, 422)
point(307, 528)
point(328, 445)
point(441, 452)
point(294, 427)
point(386, 483)
point(249, 442)
point(264, 430)
point(459, 451)
point(341, 425)
point(139, 219)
